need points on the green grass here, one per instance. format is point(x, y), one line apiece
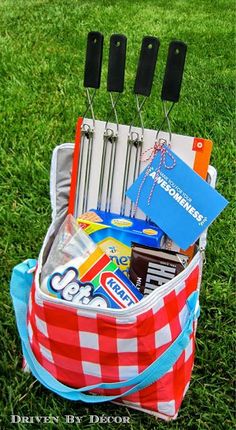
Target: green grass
point(42, 47)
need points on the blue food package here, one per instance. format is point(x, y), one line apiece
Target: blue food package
point(115, 234)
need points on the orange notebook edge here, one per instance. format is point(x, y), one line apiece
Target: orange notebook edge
point(202, 158)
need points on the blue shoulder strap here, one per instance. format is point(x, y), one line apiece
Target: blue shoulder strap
point(21, 282)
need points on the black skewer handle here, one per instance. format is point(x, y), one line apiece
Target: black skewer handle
point(93, 62)
point(116, 64)
point(146, 66)
point(174, 71)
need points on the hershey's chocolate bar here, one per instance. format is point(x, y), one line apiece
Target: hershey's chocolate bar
point(151, 267)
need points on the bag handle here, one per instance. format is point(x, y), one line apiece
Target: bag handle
point(21, 282)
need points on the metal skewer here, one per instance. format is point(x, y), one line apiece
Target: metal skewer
point(108, 162)
point(142, 88)
point(171, 86)
point(87, 133)
point(92, 77)
point(115, 84)
point(113, 140)
point(134, 145)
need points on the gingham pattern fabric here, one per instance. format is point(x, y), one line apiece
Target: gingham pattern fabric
point(81, 348)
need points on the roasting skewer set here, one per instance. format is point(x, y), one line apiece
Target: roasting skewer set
point(110, 154)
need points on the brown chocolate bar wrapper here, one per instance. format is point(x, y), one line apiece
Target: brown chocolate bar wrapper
point(151, 267)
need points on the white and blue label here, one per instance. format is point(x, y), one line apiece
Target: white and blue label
point(180, 202)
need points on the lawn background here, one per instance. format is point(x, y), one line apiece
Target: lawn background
point(42, 48)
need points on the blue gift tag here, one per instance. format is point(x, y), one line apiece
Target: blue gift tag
point(176, 198)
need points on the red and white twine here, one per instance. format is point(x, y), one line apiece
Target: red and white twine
point(159, 146)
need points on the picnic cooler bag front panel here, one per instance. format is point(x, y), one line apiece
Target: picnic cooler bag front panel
point(82, 346)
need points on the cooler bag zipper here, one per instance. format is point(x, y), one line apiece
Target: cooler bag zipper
point(145, 304)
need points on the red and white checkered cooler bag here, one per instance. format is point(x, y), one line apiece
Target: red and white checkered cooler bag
point(140, 357)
